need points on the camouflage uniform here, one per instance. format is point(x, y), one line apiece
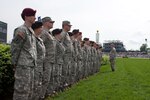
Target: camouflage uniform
point(49, 62)
point(112, 56)
point(24, 56)
point(60, 51)
point(74, 63)
point(92, 60)
point(95, 60)
point(39, 69)
point(99, 57)
point(85, 64)
point(79, 64)
point(66, 70)
point(89, 60)
point(76, 53)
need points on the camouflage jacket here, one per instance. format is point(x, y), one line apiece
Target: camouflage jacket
point(112, 54)
point(40, 51)
point(23, 49)
point(50, 46)
point(60, 51)
point(67, 44)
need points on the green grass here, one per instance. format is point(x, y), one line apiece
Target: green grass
point(130, 81)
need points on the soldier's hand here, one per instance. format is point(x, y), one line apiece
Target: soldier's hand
point(21, 34)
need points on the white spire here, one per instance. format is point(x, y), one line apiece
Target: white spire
point(97, 37)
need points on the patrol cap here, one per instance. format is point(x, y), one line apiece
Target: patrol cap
point(36, 25)
point(56, 31)
point(66, 22)
point(70, 33)
point(75, 31)
point(86, 39)
point(27, 12)
point(47, 19)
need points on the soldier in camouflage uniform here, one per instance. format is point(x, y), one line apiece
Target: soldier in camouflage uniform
point(49, 62)
point(112, 57)
point(84, 55)
point(75, 33)
point(38, 75)
point(92, 57)
point(99, 56)
point(95, 57)
point(60, 50)
point(24, 55)
point(80, 64)
point(66, 70)
point(86, 49)
point(73, 60)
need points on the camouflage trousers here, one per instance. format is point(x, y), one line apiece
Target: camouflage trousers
point(88, 68)
point(47, 72)
point(57, 70)
point(66, 70)
point(112, 64)
point(95, 66)
point(80, 70)
point(73, 72)
point(84, 68)
point(24, 83)
point(38, 76)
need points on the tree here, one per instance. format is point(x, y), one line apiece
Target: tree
point(143, 48)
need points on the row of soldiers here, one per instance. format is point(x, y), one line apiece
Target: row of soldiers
point(46, 62)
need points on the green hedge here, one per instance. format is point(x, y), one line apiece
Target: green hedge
point(6, 71)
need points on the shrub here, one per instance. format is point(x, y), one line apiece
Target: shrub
point(6, 71)
point(105, 60)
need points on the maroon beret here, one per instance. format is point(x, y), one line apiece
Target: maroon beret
point(28, 12)
point(80, 33)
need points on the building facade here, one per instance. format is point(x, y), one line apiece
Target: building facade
point(3, 32)
point(118, 45)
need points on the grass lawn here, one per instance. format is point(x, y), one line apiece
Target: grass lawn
point(130, 81)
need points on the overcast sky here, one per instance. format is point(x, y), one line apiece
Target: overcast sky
point(125, 20)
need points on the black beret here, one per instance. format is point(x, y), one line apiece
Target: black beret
point(92, 42)
point(75, 31)
point(28, 12)
point(86, 39)
point(70, 33)
point(56, 31)
point(36, 25)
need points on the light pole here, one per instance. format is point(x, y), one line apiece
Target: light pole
point(146, 45)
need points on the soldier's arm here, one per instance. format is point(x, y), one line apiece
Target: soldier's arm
point(79, 52)
point(16, 44)
point(44, 37)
